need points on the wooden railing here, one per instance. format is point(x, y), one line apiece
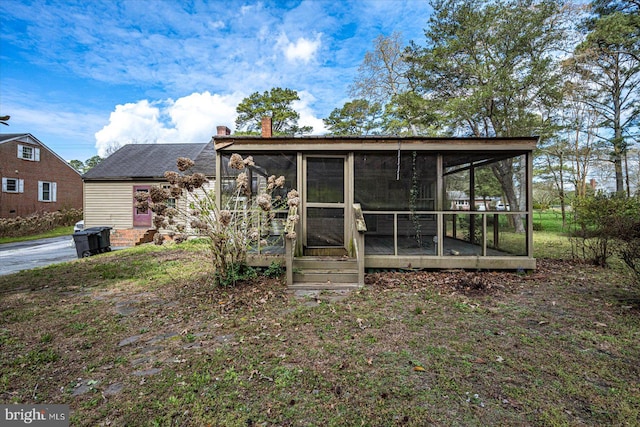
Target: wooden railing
point(357, 238)
point(289, 243)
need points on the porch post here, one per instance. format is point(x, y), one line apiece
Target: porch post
point(440, 195)
point(472, 204)
point(529, 183)
point(217, 185)
point(302, 232)
point(289, 244)
point(288, 259)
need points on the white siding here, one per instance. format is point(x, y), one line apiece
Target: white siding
point(182, 204)
point(111, 203)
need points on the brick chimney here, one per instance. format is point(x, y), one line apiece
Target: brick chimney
point(266, 127)
point(223, 130)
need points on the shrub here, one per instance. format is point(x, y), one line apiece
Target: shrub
point(235, 273)
point(274, 270)
point(604, 226)
point(628, 244)
point(231, 230)
point(38, 222)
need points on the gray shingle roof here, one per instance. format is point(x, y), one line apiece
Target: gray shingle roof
point(151, 161)
point(8, 136)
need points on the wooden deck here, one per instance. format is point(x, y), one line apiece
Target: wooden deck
point(377, 245)
point(382, 250)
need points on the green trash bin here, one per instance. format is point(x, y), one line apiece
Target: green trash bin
point(87, 243)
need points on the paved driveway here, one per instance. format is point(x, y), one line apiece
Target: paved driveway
point(35, 253)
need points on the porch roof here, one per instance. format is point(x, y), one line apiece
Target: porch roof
point(373, 143)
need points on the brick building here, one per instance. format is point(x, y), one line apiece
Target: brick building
point(34, 178)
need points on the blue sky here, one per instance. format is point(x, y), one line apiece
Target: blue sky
point(82, 76)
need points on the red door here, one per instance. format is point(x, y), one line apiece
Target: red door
point(141, 217)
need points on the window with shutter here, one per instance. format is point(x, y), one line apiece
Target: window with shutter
point(28, 153)
point(47, 191)
point(12, 185)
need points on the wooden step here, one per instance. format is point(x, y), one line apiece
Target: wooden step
point(335, 252)
point(324, 272)
point(335, 277)
point(323, 286)
point(331, 263)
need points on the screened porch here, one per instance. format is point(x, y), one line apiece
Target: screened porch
point(425, 203)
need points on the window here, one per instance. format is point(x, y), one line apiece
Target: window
point(387, 182)
point(265, 166)
point(27, 152)
point(46, 191)
point(171, 201)
point(142, 210)
point(12, 185)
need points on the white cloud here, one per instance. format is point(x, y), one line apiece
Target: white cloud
point(189, 119)
point(130, 123)
point(216, 25)
point(307, 115)
point(303, 50)
point(196, 116)
point(248, 9)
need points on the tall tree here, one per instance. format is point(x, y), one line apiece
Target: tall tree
point(92, 162)
point(382, 78)
point(487, 69)
point(609, 59)
point(567, 154)
point(77, 165)
point(276, 104)
point(382, 74)
point(357, 117)
point(83, 167)
point(114, 146)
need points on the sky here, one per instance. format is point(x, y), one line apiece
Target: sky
point(86, 76)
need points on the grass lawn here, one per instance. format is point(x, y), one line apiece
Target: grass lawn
point(141, 337)
point(550, 220)
point(56, 232)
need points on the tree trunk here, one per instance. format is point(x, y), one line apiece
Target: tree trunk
point(617, 162)
point(561, 191)
point(503, 171)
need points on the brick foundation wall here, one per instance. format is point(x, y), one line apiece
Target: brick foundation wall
point(131, 237)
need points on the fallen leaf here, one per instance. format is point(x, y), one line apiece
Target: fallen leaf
point(499, 359)
point(418, 369)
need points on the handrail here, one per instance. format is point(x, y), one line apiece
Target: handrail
point(289, 242)
point(357, 237)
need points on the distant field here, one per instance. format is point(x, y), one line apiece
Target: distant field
point(550, 239)
point(550, 221)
